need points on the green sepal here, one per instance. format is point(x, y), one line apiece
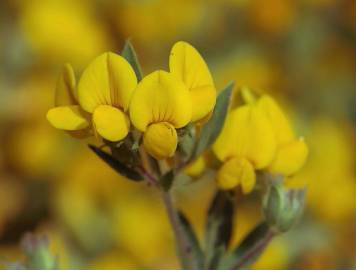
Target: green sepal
point(130, 55)
point(196, 250)
point(218, 228)
point(213, 127)
point(118, 166)
point(255, 238)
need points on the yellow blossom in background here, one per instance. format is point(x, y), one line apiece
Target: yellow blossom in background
point(143, 19)
point(63, 30)
point(275, 20)
point(249, 66)
point(113, 261)
point(93, 190)
point(141, 227)
point(331, 163)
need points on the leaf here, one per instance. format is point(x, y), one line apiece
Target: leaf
point(218, 227)
point(167, 180)
point(251, 245)
point(216, 259)
point(130, 55)
point(212, 128)
point(196, 250)
point(119, 167)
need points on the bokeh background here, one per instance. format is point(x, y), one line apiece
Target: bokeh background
point(302, 52)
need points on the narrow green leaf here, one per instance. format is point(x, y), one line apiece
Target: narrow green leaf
point(218, 227)
point(211, 130)
point(250, 248)
point(118, 166)
point(167, 180)
point(130, 55)
point(196, 250)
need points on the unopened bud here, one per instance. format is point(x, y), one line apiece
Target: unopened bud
point(282, 208)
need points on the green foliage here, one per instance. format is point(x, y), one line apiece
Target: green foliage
point(218, 229)
point(130, 55)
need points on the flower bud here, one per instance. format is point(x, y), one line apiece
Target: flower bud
point(283, 208)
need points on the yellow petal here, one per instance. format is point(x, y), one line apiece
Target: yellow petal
point(290, 158)
point(111, 123)
point(160, 140)
point(160, 97)
point(196, 168)
point(108, 80)
point(278, 119)
point(67, 118)
point(186, 63)
point(247, 133)
point(66, 88)
point(237, 171)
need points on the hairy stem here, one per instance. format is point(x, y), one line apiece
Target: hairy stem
point(184, 249)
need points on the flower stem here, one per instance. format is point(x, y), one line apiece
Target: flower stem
point(183, 247)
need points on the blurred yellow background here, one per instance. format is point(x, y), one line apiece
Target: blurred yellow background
point(302, 52)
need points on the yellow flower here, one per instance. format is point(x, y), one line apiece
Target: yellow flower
point(291, 151)
point(160, 104)
point(246, 143)
point(104, 91)
point(257, 136)
point(186, 63)
point(67, 114)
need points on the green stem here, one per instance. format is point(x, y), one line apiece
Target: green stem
point(184, 249)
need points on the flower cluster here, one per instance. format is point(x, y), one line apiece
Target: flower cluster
point(110, 102)
point(108, 99)
point(171, 121)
